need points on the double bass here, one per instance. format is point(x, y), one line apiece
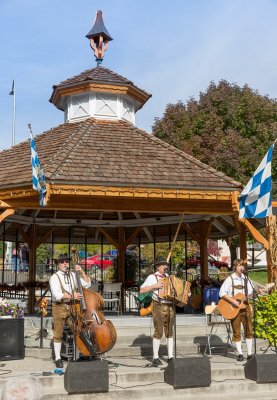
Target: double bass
point(93, 334)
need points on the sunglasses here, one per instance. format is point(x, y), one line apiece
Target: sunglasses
point(64, 261)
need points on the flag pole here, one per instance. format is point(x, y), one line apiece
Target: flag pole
point(12, 93)
point(14, 113)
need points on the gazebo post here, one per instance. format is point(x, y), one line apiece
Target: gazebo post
point(121, 254)
point(205, 227)
point(243, 244)
point(241, 228)
point(32, 267)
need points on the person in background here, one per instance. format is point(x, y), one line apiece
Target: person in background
point(237, 282)
point(24, 257)
point(163, 316)
point(15, 261)
point(63, 287)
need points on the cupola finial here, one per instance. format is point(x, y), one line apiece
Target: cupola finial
point(99, 38)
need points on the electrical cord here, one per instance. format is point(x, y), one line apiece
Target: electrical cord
point(5, 371)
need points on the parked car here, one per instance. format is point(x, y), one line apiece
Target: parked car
point(104, 262)
point(195, 262)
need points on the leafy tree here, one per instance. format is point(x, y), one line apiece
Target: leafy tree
point(213, 248)
point(229, 128)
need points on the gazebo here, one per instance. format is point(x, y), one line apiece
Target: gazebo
point(109, 180)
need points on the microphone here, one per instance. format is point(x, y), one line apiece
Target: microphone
point(244, 271)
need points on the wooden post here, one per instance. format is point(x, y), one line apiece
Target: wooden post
point(32, 267)
point(243, 245)
point(271, 253)
point(205, 227)
point(121, 262)
point(121, 254)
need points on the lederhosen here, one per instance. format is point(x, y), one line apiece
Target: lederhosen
point(163, 318)
point(244, 316)
point(61, 314)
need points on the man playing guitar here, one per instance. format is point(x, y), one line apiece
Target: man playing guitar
point(236, 283)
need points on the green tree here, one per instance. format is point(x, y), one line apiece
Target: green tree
point(229, 128)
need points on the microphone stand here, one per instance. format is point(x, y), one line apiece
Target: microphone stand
point(254, 309)
point(174, 316)
point(74, 317)
point(41, 318)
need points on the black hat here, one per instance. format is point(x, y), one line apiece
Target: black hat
point(63, 257)
point(161, 261)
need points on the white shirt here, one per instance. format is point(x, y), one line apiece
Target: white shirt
point(68, 284)
point(227, 286)
point(152, 280)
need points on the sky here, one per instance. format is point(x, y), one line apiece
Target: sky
point(172, 49)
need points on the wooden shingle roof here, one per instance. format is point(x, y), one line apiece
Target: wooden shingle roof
point(109, 153)
point(98, 74)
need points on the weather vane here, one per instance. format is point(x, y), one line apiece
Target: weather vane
point(99, 38)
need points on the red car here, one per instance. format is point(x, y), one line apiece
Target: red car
point(195, 262)
point(97, 262)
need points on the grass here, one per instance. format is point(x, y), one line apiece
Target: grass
point(258, 276)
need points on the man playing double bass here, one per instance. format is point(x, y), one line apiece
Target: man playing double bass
point(64, 290)
point(233, 284)
point(163, 316)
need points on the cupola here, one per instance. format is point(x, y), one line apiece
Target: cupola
point(98, 92)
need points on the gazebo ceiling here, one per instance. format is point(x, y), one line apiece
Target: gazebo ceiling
point(86, 226)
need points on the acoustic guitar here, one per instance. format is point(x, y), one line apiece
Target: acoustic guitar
point(228, 310)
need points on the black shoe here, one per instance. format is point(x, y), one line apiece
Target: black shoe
point(240, 357)
point(169, 360)
point(59, 363)
point(156, 362)
point(250, 356)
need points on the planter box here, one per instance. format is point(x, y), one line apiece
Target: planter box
point(12, 339)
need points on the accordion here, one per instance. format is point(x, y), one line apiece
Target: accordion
point(175, 288)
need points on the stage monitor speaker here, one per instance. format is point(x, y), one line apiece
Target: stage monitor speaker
point(86, 377)
point(12, 339)
point(188, 372)
point(262, 368)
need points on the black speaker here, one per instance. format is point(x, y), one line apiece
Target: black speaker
point(86, 377)
point(262, 368)
point(188, 372)
point(12, 339)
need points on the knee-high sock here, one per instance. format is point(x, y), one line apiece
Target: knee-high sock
point(57, 350)
point(238, 347)
point(170, 347)
point(249, 343)
point(156, 346)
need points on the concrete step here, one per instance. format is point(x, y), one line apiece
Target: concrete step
point(160, 390)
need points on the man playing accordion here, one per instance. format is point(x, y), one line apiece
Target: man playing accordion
point(163, 316)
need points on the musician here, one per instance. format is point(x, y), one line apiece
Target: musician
point(233, 284)
point(64, 290)
point(162, 310)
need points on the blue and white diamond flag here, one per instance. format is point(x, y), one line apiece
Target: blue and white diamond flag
point(255, 201)
point(38, 177)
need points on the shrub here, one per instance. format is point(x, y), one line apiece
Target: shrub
point(266, 317)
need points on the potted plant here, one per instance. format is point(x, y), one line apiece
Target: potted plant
point(10, 310)
point(266, 318)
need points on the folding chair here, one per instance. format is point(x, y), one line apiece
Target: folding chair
point(214, 320)
point(114, 289)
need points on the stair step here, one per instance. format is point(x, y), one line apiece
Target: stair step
point(161, 390)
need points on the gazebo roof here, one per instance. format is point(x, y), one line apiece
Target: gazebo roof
point(110, 153)
point(99, 79)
